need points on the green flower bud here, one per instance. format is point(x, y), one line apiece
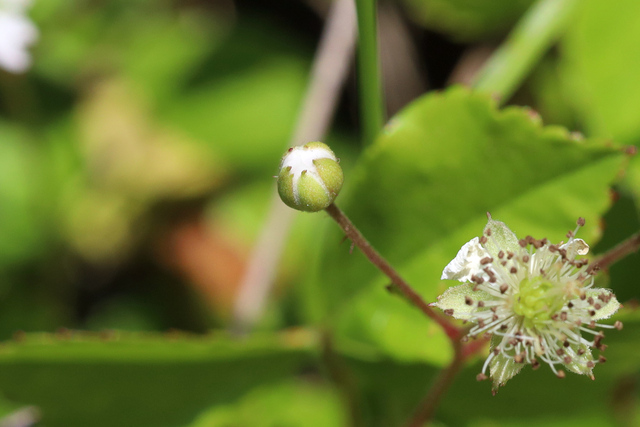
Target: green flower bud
point(310, 177)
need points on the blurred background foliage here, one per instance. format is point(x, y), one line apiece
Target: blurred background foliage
point(136, 164)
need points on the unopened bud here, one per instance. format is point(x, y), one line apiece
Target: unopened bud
point(310, 177)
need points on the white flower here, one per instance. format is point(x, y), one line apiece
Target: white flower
point(17, 33)
point(533, 298)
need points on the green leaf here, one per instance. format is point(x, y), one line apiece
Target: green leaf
point(601, 59)
point(77, 379)
point(290, 403)
point(423, 190)
point(468, 19)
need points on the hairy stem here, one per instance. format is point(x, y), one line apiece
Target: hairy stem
point(536, 32)
point(398, 282)
point(371, 106)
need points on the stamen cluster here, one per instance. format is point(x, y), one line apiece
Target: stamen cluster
point(533, 298)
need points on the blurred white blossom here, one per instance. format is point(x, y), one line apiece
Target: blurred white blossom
point(17, 33)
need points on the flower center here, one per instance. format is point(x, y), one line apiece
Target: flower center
point(537, 301)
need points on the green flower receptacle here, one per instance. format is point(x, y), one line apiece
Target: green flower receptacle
point(310, 177)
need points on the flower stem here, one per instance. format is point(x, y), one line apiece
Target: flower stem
point(632, 244)
point(398, 282)
point(538, 30)
point(371, 107)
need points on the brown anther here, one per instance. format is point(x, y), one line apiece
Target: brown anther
point(468, 300)
point(449, 311)
point(480, 304)
point(618, 325)
point(503, 263)
point(561, 374)
point(503, 288)
point(554, 316)
point(602, 359)
point(503, 327)
point(553, 248)
point(570, 304)
point(492, 279)
point(518, 358)
point(501, 254)
point(563, 316)
point(481, 323)
point(494, 309)
point(583, 296)
point(592, 324)
point(513, 270)
point(592, 313)
point(597, 306)
point(581, 351)
point(487, 232)
point(590, 300)
point(590, 364)
point(566, 344)
point(510, 255)
point(481, 377)
point(483, 240)
point(486, 260)
point(535, 364)
point(542, 271)
point(602, 347)
point(494, 317)
point(598, 339)
point(525, 258)
point(581, 222)
point(560, 352)
point(522, 243)
point(570, 234)
point(567, 360)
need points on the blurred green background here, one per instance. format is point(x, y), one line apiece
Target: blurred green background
point(136, 172)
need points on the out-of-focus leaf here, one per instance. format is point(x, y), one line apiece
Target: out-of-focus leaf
point(21, 181)
point(422, 191)
point(246, 117)
point(468, 19)
point(291, 403)
point(143, 380)
point(600, 59)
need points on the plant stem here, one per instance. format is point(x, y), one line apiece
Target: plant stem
point(632, 244)
point(536, 32)
point(371, 107)
point(440, 386)
point(400, 284)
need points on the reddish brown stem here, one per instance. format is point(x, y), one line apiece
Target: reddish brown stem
point(381, 263)
point(632, 244)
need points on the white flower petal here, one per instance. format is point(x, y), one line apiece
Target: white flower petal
point(502, 369)
point(454, 299)
point(609, 308)
point(466, 263)
point(501, 239)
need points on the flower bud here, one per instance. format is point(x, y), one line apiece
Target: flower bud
point(310, 177)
